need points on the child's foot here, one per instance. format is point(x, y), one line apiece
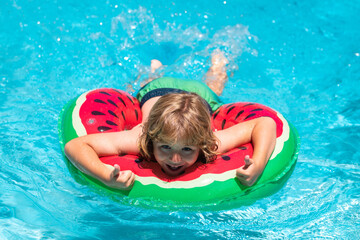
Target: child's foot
point(218, 62)
point(216, 76)
point(155, 64)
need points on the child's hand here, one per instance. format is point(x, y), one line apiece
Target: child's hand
point(123, 180)
point(249, 173)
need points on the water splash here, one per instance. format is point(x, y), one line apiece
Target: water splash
point(186, 50)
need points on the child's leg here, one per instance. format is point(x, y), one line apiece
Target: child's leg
point(155, 64)
point(216, 76)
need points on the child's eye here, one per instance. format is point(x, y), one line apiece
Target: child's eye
point(187, 149)
point(166, 147)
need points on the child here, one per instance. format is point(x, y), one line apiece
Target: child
point(176, 132)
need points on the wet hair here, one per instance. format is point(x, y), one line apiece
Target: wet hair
point(179, 117)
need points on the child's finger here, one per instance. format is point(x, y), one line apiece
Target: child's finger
point(132, 179)
point(241, 174)
point(116, 171)
point(248, 161)
point(128, 178)
point(125, 176)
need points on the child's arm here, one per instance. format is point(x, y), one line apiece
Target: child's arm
point(262, 133)
point(84, 153)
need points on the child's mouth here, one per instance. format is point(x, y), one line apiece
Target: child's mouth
point(173, 168)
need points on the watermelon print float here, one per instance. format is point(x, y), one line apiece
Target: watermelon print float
point(211, 184)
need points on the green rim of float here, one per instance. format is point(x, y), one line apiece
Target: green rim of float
point(217, 191)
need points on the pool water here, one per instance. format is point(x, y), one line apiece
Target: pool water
point(301, 58)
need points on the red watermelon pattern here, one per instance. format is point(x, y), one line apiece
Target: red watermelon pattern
point(230, 114)
point(109, 110)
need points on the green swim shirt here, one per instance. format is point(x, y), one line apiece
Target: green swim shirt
point(169, 84)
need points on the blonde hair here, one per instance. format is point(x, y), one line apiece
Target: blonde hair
point(179, 116)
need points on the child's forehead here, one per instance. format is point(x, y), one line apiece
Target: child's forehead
point(180, 140)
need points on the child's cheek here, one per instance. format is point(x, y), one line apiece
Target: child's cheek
point(160, 155)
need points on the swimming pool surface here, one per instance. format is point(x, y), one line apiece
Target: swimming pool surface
point(301, 58)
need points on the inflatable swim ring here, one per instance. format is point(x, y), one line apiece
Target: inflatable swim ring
point(108, 110)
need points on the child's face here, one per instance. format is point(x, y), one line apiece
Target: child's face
point(174, 158)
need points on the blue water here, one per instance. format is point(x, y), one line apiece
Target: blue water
point(299, 57)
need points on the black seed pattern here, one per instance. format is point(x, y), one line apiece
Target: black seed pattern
point(112, 113)
point(223, 124)
point(215, 114)
point(111, 123)
point(122, 101)
point(96, 113)
point(239, 113)
point(111, 102)
point(225, 157)
point(230, 105)
point(99, 101)
point(256, 110)
point(123, 115)
point(103, 128)
point(230, 109)
point(118, 91)
point(137, 115)
point(130, 99)
point(138, 160)
point(106, 93)
point(250, 115)
point(249, 104)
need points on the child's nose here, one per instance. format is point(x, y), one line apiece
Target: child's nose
point(176, 158)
